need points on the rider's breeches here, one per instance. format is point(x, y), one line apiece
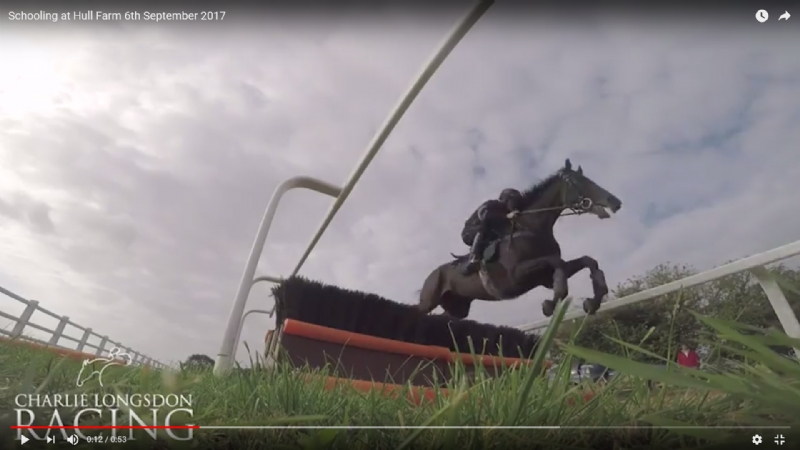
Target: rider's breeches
point(478, 243)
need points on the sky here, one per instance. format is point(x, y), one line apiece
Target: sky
point(136, 159)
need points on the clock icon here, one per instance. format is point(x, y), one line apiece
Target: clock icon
point(762, 15)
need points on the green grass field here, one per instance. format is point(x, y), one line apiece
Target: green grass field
point(764, 391)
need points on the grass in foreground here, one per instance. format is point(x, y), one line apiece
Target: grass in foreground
point(763, 392)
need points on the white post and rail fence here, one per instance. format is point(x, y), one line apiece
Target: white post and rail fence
point(755, 264)
point(233, 330)
point(56, 338)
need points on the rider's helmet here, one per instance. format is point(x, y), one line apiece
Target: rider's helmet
point(511, 197)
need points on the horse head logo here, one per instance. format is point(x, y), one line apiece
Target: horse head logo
point(115, 358)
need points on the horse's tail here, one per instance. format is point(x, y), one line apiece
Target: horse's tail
point(457, 259)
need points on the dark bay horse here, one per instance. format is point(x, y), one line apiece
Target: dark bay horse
point(528, 255)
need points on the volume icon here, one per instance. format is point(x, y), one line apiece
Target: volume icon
point(73, 439)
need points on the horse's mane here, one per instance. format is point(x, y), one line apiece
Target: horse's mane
point(531, 194)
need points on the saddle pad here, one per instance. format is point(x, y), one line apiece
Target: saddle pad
point(491, 250)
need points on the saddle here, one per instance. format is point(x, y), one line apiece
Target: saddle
point(491, 251)
point(493, 276)
point(488, 255)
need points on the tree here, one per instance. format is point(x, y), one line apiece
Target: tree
point(198, 362)
point(660, 324)
point(651, 324)
point(742, 299)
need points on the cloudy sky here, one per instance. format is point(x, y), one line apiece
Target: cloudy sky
point(136, 159)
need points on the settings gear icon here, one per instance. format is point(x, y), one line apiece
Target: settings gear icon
point(757, 439)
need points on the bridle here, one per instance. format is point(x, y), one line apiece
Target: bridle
point(581, 206)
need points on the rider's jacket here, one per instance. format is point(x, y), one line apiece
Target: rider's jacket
point(491, 215)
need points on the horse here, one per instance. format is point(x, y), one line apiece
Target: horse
point(527, 254)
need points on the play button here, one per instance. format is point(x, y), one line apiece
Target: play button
point(23, 439)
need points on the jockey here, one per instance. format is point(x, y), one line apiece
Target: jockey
point(485, 224)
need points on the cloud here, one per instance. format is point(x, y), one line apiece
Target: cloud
point(136, 161)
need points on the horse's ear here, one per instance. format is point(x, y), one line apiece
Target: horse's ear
point(568, 165)
point(580, 170)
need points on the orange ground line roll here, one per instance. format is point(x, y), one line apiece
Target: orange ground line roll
point(320, 333)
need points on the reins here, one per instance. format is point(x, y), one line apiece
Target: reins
point(582, 206)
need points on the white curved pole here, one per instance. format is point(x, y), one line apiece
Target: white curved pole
point(436, 60)
point(241, 326)
point(224, 360)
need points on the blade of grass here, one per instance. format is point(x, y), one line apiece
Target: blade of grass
point(538, 360)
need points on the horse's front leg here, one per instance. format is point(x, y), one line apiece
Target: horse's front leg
point(599, 286)
point(530, 270)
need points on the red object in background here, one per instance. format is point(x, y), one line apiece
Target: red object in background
point(690, 359)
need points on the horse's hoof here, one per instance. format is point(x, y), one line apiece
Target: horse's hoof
point(548, 307)
point(590, 306)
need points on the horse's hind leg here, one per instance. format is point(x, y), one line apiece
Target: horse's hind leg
point(428, 302)
point(558, 283)
point(456, 306)
point(599, 285)
point(430, 296)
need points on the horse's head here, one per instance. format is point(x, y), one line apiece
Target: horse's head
point(584, 195)
point(567, 189)
point(85, 374)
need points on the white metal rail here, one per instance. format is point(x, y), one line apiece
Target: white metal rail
point(57, 335)
point(755, 264)
point(227, 352)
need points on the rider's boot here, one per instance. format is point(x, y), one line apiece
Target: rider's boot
point(475, 254)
